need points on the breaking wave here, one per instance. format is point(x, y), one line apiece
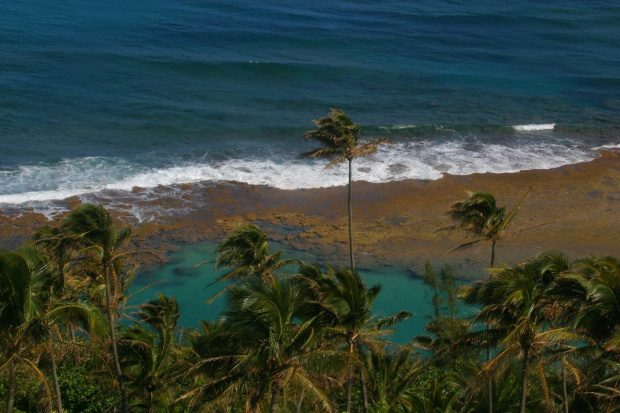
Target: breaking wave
point(411, 160)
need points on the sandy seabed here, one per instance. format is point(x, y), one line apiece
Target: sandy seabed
point(574, 208)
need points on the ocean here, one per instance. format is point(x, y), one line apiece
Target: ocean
point(98, 96)
point(103, 97)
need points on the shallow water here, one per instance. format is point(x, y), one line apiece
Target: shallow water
point(188, 284)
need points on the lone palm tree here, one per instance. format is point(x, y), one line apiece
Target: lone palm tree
point(481, 217)
point(339, 138)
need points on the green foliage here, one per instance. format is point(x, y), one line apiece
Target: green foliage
point(444, 291)
point(448, 288)
point(303, 342)
point(83, 393)
point(481, 218)
point(339, 139)
point(29, 394)
point(430, 279)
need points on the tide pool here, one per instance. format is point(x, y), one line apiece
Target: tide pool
point(187, 282)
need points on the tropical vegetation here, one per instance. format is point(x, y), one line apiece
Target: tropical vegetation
point(296, 336)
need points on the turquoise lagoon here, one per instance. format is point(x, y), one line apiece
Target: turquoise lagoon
point(188, 283)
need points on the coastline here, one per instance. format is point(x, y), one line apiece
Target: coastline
point(574, 208)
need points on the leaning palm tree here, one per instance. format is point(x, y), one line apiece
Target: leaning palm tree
point(339, 138)
point(481, 217)
point(486, 222)
point(98, 238)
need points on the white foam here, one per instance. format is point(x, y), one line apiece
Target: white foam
point(608, 146)
point(534, 127)
point(397, 127)
point(412, 160)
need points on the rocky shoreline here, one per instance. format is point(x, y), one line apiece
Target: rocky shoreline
point(574, 208)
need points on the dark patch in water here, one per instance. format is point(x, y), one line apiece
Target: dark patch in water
point(185, 272)
point(412, 274)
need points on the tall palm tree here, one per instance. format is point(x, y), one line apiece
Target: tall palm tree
point(93, 229)
point(339, 138)
point(551, 265)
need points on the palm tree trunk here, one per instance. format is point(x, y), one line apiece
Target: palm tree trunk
point(12, 384)
point(490, 383)
point(524, 380)
point(351, 216)
point(275, 395)
point(58, 400)
point(300, 401)
point(564, 387)
point(115, 359)
point(364, 396)
point(349, 386)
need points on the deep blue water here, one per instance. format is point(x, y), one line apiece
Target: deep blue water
point(97, 95)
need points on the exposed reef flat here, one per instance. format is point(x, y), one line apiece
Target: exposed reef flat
point(574, 208)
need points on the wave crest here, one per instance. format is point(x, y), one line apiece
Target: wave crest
point(534, 127)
